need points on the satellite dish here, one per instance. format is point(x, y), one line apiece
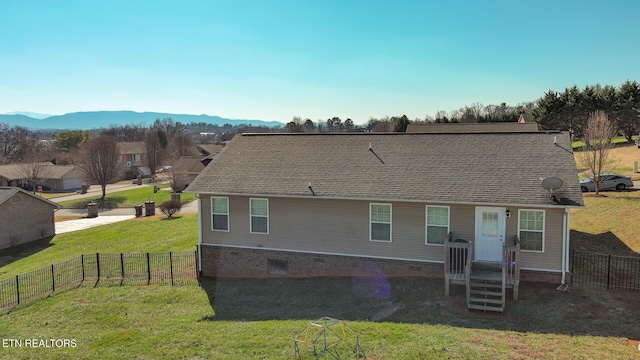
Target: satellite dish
point(552, 183)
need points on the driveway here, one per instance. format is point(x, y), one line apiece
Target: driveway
point(105, 216)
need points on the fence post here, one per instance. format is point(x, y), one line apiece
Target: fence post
point(53, 279)
point(572, 261)
point(98, 264)
point(171, 266)
point(608, 271)
point(148, 270)
point(82, 263)
point(121, 269)
point(197, 263)
point(18, 288)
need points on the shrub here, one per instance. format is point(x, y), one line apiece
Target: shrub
point(169, 208)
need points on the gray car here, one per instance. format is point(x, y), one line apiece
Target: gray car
point(607, 182)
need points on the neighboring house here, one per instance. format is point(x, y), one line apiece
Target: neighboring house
point(50, 177)
point(473, 127)
point(184, 170)
point(328, 204)
point(24, 217)
point(208, 149)
point(132, 155)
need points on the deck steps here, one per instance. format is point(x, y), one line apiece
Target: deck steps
point(486, 291)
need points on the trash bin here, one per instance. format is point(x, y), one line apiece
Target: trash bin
point(92, 210)
point(138, 210)
point(149, 208)
point(139, 180)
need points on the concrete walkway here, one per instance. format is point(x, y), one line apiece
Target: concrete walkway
point(86, 223)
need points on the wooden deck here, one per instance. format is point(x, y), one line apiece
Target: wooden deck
point(486, 282)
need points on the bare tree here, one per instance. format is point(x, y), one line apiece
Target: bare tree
point(182, 145)
point(99, 161)
point(597, 137)
point(32, 170)
point(14, 142)
point(156, 143)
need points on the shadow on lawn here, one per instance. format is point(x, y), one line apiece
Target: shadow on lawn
point(603, 243)
point(541, 309)
point(7, 256)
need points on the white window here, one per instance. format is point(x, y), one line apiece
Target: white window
point(219, 213)
point(531, 230)
point(380, 222)
point(437, 225)
point(259, 216)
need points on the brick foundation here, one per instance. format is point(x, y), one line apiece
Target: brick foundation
point(226, 262)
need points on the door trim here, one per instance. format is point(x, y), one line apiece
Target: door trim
point(502, 230)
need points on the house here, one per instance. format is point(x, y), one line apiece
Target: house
point(25, 217)
point(327, 204)
point(473, 127)
point(50, 177)
point(208, 149)
point(132, 157)
point(185, 169)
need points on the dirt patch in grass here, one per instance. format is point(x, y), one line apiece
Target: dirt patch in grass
point(540, 309)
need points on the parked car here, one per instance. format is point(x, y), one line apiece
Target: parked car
point(607, 182)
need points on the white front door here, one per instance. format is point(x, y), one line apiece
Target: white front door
point(490, 233)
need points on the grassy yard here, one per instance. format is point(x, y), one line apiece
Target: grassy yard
point(624, 157)
point(129, 198)
point(246, 319)
point(146, 234)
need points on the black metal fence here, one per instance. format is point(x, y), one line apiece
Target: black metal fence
point(172, 268)
point(605, 271)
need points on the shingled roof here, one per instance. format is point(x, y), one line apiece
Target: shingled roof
point(487, 168)
point(46, 171)
point(7, 192)
point(473, 127)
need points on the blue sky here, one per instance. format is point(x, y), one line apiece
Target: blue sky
point(273, 60)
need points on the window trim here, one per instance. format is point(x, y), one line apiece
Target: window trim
point(543, 231)
point(426, 223)
point(263, 216)
point(379, 222)
point(227, 213)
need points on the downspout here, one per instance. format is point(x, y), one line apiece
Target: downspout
point(565, 238)
point(568, 211)
point(199, 235)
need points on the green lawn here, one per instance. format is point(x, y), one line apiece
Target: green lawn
point(129, 198)
point(616, 140)
point(145, 234)
point(247, 319)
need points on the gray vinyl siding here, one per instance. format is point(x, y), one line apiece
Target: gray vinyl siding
point(551, 258)
point(342, 227)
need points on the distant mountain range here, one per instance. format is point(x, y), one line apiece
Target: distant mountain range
point(103, 119)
